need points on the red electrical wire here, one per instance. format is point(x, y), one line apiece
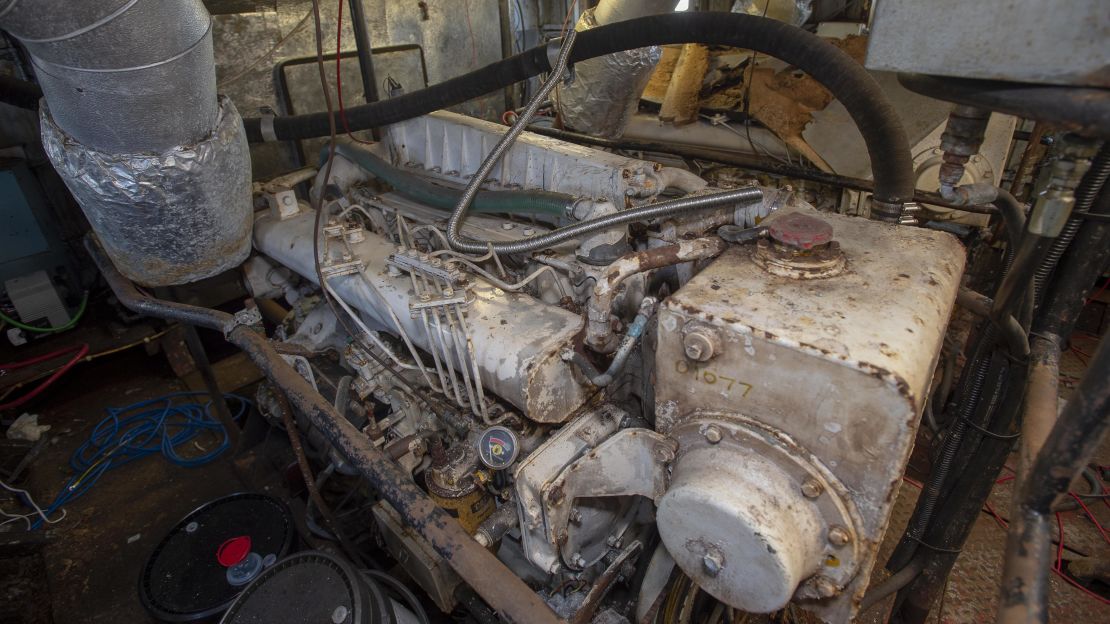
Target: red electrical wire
point(1090, 515)
point(339, 76)
point(81, 350)
point(1058, 566)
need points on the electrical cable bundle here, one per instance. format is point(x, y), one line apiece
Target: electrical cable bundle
point(163, 425)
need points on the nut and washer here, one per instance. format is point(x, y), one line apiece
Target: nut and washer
point(840, 536)
point(812, 488)
point(712, 434)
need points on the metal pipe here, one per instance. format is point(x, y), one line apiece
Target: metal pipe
point(219, 403)
point(667, 208)
point(628, 343)
point(1070, 445)
point(749, 161)
point(1041, 396)
point(599, 330)
point(498, 586)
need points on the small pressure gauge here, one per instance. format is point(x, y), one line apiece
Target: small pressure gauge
point(498, 448)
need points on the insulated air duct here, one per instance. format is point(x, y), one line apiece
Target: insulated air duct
point(606, 90)
point(131, 121)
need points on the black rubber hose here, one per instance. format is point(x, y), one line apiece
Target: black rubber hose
point(846, 79)
point(971, 391)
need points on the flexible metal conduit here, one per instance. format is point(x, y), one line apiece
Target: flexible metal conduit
point(1085, 195)
point(497, 585)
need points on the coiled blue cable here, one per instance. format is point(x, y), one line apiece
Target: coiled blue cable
point(156, 426)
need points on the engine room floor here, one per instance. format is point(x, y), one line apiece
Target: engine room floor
point(94, 556)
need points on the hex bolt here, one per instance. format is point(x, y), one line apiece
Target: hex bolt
point(840, 536)
point(712, 563)
point(713, 434)
point(507, 226)
point(578, 561)
point(575, 516)
point(529, 231)
point(700, 343)
point(812, 488)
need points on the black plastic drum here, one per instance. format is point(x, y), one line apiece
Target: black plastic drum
point(312, 588)
point(212, 554)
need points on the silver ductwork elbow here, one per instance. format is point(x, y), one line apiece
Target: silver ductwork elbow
point(132, 123)
point(606, 90)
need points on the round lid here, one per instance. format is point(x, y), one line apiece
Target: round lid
point(306, 588)
point(800, 230)
point(736, 525)
point(186, 577)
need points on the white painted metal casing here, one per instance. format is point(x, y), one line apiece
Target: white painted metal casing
point(829, 373)
point(516, 338)
point(1062, 42)
point(452, 147)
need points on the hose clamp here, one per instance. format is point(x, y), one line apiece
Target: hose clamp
point(266, 124)
point(249, 317)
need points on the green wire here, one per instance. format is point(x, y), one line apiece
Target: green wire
point(49, 330)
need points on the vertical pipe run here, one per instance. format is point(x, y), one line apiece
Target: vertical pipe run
point(219, 403)
point(1070, 445)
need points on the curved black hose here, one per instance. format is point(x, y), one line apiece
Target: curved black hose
point(1085, 195)
point(971, 390)
point(423, 190)
point(846, 79)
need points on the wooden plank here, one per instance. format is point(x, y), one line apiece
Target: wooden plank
point(232, 373)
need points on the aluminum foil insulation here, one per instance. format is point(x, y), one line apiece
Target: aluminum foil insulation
point(606, 90)
point(164, 218)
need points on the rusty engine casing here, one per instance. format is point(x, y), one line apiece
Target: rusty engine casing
point(795, 400)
